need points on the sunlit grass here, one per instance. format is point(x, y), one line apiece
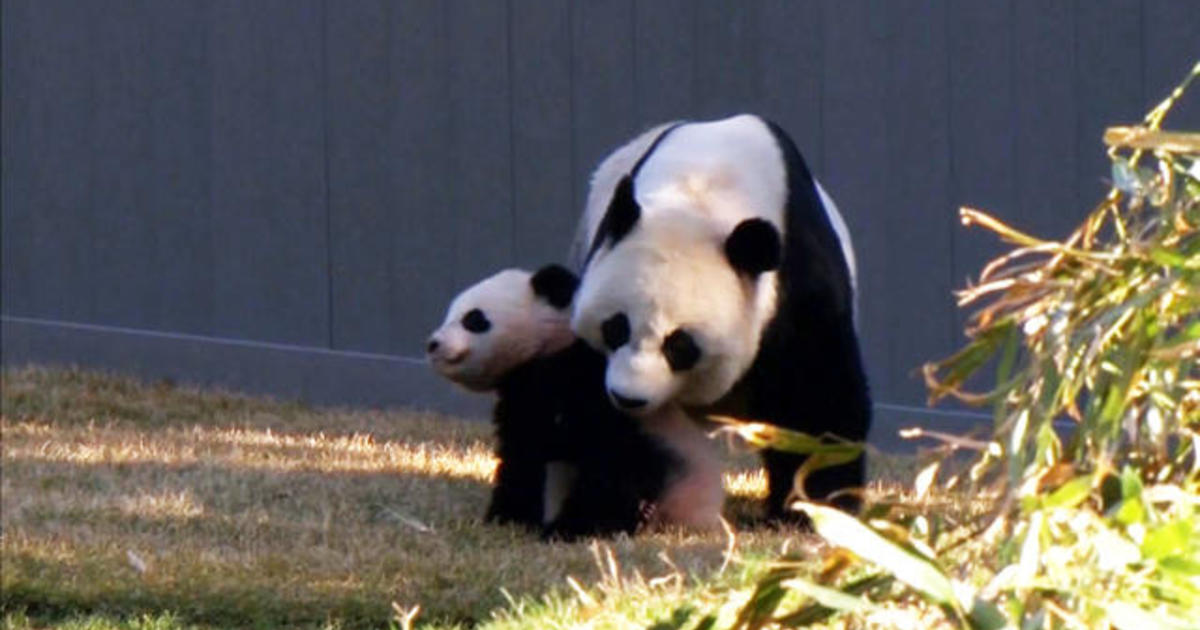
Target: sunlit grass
point(126, 504)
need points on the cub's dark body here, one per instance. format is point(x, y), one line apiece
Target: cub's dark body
point(555, 409)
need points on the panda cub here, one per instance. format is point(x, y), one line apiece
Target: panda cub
point(719, 276)
point(570, 463)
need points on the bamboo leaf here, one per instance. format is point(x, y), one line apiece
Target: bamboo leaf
point(924, 479)
point(818, 461)
point(829, 597)
point(763, 435)
point(1070, 494)
point(1170, 539)
point(1126, 616)
point(985, 615)
point(1167, 258)
point(846, 531)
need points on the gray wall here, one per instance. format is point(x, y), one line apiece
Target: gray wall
point(282, 195)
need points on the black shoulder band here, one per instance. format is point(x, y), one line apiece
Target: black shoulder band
point(637, 167)
point(601, 228)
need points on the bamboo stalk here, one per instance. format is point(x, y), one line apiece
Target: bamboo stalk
point(1152, 139)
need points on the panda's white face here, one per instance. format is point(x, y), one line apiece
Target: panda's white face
point(494, 326)
point(678, 322)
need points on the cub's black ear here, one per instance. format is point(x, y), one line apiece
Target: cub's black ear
point(754, 247)
point(622, 214)
point(555, 284)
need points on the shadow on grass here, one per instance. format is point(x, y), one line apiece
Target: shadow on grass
point(124, 499)
point(227, 545)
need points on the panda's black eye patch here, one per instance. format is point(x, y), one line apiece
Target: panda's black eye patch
point(475, 321)
point(680, 350)
point(615, 331)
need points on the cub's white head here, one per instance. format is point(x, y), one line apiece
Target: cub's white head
point(502, 322)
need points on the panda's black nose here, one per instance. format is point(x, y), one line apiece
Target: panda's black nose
point(433, 346)
point(627, 403)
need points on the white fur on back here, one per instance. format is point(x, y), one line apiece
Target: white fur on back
point(620, 163)
point(729, 170)
point(843, 234)
point(603, 183)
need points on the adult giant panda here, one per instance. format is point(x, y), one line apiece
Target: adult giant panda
point(570, 463)
point(718, 275)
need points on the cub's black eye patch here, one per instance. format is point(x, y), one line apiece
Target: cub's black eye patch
point(681, 350)
point(615, 331)
point(475, 321)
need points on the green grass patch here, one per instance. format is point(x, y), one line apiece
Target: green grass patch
point(127, 504)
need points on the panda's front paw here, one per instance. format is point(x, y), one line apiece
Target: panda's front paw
point(502, 512)
point(559, 532)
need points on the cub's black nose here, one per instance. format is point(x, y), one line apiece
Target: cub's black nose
point(627, 403)
point(433, 346)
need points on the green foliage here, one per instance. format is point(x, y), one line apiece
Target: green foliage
point(1100, 332)
point(1083, 507)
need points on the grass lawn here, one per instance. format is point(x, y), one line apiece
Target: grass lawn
point(133, 505)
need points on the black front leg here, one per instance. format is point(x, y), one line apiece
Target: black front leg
point(596, 506)
point(519, 494)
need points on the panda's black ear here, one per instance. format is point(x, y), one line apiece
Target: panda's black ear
point(623, 211)
point(555, 284)
point(622, 214)
point(754, 247)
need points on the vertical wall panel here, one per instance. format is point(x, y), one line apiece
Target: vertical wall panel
point(981, 97)
point(480, 142)
point(1108, 80)
point(664, 49)
point(362, 213)
point(268, 190)
point(1171, 36)
point(422, 244)
point(791, 54)
point(179, 169)
point(16, 148)
point(727, 73)
point(121, 218)
point(544, 210)
point(60, 136)
point(854, 62)
point(919, 218)
point(602, 87)
point(1046, 119)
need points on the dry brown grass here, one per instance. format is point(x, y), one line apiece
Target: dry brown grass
point(120, 497)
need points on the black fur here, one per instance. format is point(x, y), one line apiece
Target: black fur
point(808, 374)
point(680, 350)
point(476, 322)
point(555, 284)
point(623, 210)
point(754, 247)
point(621, 471)
point(622, 214)
point(554, 409)
point(615, 331)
